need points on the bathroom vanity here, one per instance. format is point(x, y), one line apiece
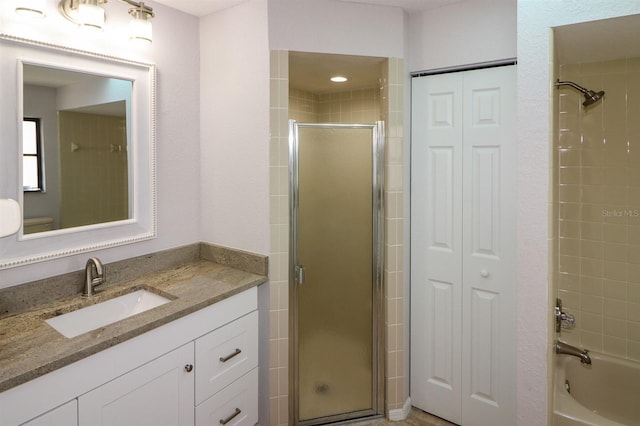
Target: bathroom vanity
point(191, 361)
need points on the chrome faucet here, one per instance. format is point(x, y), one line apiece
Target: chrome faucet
point(563, 319)
point(566, 349)
point(90, 282)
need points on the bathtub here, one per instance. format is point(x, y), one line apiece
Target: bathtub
point(606, 393)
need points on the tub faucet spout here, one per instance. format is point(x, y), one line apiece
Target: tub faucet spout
point(566, 349)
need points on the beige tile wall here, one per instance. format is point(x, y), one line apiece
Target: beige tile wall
point(366, 105)
point(303, 106)
point(279, 256)
point(392, 95)
point(598, 192)
point(353, 106)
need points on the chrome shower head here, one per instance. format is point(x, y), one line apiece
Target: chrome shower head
point(590, 97)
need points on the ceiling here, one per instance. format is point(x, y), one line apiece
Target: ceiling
point(206, 7)
point(55, 78)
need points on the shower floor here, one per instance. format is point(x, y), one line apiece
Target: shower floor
point(416, 418)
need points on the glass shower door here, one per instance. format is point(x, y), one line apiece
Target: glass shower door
point(335, 271)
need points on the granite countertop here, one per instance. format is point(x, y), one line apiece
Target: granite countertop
point(30, 348)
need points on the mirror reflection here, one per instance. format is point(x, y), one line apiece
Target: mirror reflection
point(76, 129)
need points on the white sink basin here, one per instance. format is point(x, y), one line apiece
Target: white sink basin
point(105, 313)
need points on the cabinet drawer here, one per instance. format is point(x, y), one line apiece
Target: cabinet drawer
point(225, 354)
point(235, 405)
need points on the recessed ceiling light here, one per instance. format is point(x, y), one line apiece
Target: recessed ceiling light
point(339, 79)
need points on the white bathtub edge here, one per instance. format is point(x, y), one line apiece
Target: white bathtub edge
point(566, 410)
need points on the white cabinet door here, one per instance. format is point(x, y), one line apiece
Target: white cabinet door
point(65, 415)
point(235, 405)
point(159, 393)
point(225, 354)
point(463, 246)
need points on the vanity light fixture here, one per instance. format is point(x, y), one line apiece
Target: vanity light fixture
point(33, 8)
point(86, 13)
point(339, 79)
point(91, 14)
point(140, 25)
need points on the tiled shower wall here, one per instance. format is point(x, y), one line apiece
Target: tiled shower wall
point(351, 106)
point(363, 106)
point(598, 194)
point(304, 106)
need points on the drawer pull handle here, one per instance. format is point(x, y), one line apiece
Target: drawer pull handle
point(188, 368)
point(231, 417)
point(228, 357)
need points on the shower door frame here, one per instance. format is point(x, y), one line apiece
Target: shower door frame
point(378, 338)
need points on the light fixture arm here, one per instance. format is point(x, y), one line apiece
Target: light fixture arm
point(139, 10)
point(90, 13)
point(68, 7)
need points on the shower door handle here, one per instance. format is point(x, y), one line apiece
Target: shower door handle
point(300, 274)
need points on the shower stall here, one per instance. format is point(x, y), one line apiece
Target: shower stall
point(597, 198)
point(304, 92)
point(596, 213)
point(336, 271)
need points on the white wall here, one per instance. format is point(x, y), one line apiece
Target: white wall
point(98, 92)
point(325, 26)
point(175, 51)
point(463, 33)
point(41, 102)
point(234, 143)
point(535, 67)
point(234, 113)
point(235, 46)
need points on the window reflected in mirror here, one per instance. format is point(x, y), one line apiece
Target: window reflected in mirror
point(75, 158)
point(31, 155)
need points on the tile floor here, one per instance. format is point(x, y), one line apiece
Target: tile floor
point(416, 418)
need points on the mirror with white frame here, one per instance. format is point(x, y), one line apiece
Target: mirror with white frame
point(78, 150)
point(74, 148)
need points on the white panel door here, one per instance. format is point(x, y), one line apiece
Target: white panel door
point(489, 247)
point(463, 246)
point(436, 245)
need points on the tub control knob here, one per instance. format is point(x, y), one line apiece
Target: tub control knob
point(563, 319)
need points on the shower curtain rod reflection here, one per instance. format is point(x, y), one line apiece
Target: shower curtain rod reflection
point(338, 125)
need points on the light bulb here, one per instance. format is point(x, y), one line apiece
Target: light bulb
point(91, 16)
point(140, 30)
